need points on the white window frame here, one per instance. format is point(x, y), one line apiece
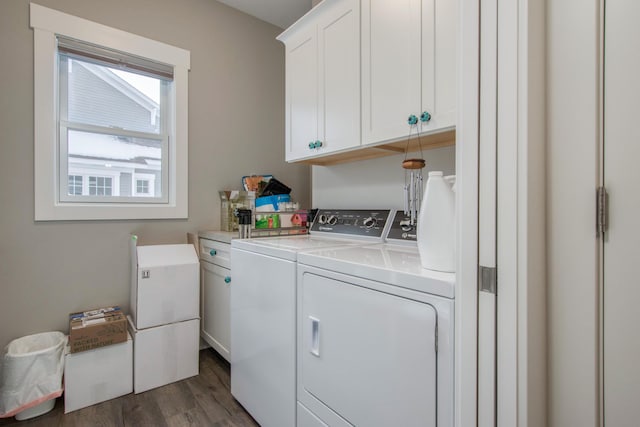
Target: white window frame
point(47, 24)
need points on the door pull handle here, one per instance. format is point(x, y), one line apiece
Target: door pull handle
point(315, 336)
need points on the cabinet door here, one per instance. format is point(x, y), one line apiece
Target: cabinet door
point(215, 294)
point(339, 79)
point(301, 93)
point(439, 40)
point(391, 67)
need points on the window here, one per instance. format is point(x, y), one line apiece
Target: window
point(113, 117)
point(110, 122)
point(142, 186)
point(100, 186)
point(75, 185)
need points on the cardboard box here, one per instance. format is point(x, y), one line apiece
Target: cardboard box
point(98, 375)
point(164, 354)
point(100, 329)
point(165, 285)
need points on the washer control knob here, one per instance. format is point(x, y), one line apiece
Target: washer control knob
point(405, 225)
point(333, 220)
point(370, 222)
point(322, 219)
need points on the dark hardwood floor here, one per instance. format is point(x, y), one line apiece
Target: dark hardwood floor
point(204, 400)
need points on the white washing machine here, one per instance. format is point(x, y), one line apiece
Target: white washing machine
point(263, 308)
point(375, 338)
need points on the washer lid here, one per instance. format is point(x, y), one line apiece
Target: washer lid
point(288, 246)
point(396, 265)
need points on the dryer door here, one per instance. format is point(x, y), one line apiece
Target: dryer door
point(367, 355)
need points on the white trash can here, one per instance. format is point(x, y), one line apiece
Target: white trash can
point(31, 375)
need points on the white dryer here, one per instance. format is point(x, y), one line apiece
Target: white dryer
point(263, 308)
point(375, 338)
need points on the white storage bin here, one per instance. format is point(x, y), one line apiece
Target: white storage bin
point(164, 354)
point(98, 375)
point(164, 284)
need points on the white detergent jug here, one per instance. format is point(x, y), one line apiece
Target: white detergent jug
point(436, 224)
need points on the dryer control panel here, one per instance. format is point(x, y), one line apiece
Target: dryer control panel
point(352, 222)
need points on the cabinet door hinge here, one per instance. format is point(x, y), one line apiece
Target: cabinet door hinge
point(488, 278)
point(602, 210)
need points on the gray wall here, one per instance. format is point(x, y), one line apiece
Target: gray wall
point(236, 128)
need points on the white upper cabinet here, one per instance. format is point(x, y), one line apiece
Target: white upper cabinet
point(323, 80)
point(357, 69)
point(408, 66)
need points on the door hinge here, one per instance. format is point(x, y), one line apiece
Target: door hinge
point(488, 279)
point(602, 210)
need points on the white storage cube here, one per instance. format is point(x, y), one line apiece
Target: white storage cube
point(98, 375)
point(165, 285)
point(164, 354)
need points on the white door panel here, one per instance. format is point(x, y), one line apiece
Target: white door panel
point(487, 215)
point(391, 74)
point(621, 178)
point(302, 87)
point(263, 337)
point(348, 332)
point(305, 418)
point(339, 86)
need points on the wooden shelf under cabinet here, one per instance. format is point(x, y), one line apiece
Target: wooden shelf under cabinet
point(441, 139)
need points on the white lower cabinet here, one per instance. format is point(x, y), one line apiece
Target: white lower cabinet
point(215, 296)
point(216, 282)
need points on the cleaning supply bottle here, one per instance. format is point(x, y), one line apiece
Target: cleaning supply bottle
point(436, 224)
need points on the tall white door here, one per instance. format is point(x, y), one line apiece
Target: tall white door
point(487, 214)
point(621, 253)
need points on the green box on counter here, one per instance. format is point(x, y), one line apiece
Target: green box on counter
point(270, 220)
point(281, 220)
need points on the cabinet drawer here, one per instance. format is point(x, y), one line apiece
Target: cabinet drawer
point(215, 252)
